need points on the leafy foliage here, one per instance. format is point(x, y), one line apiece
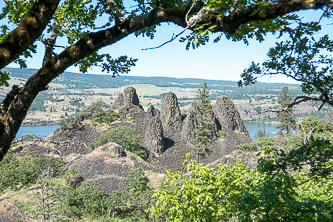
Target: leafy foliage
point(88, 200)
point(257, 145)
point(268, 192)
point(304, 59)
point(15, 173)
point(125, 137)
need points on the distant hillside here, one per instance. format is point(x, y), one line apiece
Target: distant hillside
point(72, 92)
point(106, 81)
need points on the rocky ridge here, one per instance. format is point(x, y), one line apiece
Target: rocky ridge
point(166, 137)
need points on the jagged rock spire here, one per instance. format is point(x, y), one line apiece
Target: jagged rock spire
point(228, 115)
point(170, 113)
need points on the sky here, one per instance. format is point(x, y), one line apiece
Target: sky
point(224, 60)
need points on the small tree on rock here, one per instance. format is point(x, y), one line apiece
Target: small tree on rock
point(204, 125)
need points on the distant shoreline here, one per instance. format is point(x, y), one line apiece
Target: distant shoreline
point(40, 123)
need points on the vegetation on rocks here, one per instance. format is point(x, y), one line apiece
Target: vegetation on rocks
point(125, 137)
point(96, 112)
point(20, 173)
point(268, 192)
point(205, 126)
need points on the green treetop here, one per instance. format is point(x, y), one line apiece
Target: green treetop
point(204, 124)
point(286, 115)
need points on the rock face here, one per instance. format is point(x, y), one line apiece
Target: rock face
point(103, 166)
point(119, 101)
point(228, 115)
point(190, 123)
point(128, 99)
point(170, 113)
point(153, 136)
point(130, 96)
point(120, 151)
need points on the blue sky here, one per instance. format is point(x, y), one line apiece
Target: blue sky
point(224, 60)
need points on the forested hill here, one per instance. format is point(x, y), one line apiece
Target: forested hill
point(85, 81)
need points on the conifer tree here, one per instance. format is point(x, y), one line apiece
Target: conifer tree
point(286, 114)
point(204, 124)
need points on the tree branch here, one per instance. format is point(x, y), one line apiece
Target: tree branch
point(30, 28)
point(31, 188)
point(16, 209)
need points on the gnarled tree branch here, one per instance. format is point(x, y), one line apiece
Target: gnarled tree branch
point(30, 28)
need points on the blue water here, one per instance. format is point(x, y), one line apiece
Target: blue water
point(41, 131)
point(44, 131)
point(253, 129)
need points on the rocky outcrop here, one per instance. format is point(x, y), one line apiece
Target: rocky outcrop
point(228, 115)
point(128, 100)
point(191, 120)
point(170, 113)
point(153, 136)
point(189, 125)
point(120, 151)
point(74, 140)
point(103, 166)
point(119, 101)
point(130, 97)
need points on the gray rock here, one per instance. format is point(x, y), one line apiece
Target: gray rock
point(189, 125)
point(170, 113)
point(128, 102)
point(130, 97)
point(120, 151)
point(119, 101)
point(228, 115)
point(153, 137)
point(190, 122)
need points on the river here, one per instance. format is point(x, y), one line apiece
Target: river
point(44, 131)
point(41, 131)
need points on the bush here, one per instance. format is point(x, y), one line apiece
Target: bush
point(93, 109)
point(15, 173)
point(125, 137)
point(256, 145)
point(70, 123)
point(222, 134)
point(106, 117)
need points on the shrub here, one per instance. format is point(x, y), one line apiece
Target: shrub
point(125, 137)
point(106, 117)
point(93, 109)
point(69, 123)
point(222, 134)
point(256, 145)
point(15, 172)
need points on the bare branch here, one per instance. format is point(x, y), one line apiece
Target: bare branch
point(16, 209)
point(31, 188)
point(173, 38)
